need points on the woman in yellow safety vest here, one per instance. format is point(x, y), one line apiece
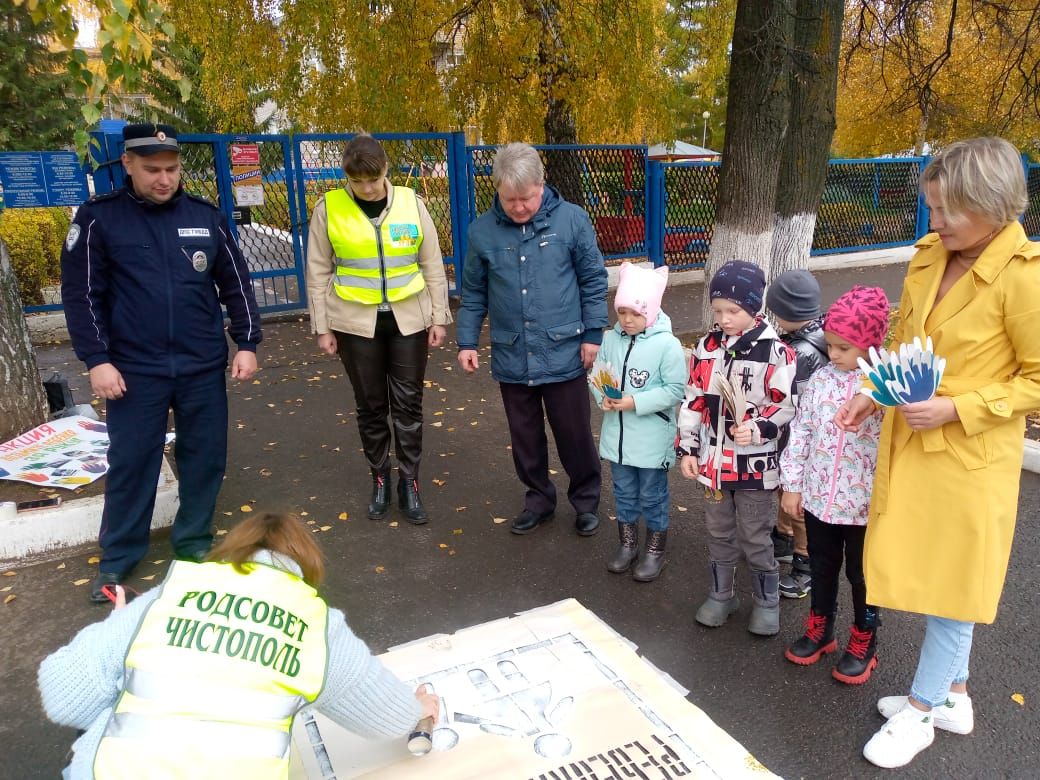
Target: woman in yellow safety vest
point(378, 296)
point(203, 676)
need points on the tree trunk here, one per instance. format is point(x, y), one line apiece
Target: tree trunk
point(757, 115)
point(563, 167)
point(22, 401)
point(803, 160)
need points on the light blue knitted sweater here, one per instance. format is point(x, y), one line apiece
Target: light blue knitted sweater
point(79, 683)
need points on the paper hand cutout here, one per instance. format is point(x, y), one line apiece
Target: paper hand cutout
point(906, 376)
point(603, 377)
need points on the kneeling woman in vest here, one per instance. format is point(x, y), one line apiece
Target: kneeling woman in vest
point(379, 296)
point(202, 676)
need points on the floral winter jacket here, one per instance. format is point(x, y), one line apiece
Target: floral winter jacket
point(832, 469)
point(763, 367)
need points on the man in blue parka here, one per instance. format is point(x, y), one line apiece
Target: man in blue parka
point(144, 272)
point(534, 269)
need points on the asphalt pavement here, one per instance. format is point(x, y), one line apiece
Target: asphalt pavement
point(294, 445)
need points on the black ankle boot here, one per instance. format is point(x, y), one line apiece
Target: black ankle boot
point(860, 657)
point(627, 551)
point(652, 560)
point(409, 501)
point(817, 640)
point(379, 504)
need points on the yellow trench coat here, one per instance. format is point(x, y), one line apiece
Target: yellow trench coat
point(942, 514)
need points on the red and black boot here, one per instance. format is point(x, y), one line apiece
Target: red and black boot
point(859, 658)
point(818, 640)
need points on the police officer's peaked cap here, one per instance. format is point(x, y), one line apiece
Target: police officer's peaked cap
point(149, 139)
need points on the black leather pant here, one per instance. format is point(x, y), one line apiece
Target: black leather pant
point(386, 372)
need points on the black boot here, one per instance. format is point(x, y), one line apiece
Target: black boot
point(379, 504)
point(628, 549)
point(860, 657)
point(652, 560)
point(409, 501)
point(817, 640)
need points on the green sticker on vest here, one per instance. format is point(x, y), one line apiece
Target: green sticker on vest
point(404, 235)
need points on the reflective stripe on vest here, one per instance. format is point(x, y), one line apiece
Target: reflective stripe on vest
point(221, 663)
point(375, 264)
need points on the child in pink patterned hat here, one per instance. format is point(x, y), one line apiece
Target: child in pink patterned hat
point(826, 475)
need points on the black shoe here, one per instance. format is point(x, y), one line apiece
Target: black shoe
point(627, 550)
point(859, 659)
point(652, 560)
point(586, 523)
point(100, 581)
point(527, 521)
point(379, 504)
point(783, 547)
point(410, 503)
point(817, 640)
point(195, 556)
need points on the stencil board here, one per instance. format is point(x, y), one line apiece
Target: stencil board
point(548, 694)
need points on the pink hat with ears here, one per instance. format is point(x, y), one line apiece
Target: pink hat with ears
point(641, 290)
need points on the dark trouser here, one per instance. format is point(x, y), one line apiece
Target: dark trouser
point(567, 407)
point(828, 545)
point(386, 372)
point(137, 431)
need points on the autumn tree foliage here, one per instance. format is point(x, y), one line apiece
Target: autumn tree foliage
point(538, 70)
point(920, 73)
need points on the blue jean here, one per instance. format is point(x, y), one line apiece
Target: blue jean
point(944, 659)
point(639, 491)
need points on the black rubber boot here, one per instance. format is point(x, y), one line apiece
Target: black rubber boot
point(817, 640)
point(652, 560)
point(409, 501)
point(860, 657)
point(379, 504)
point(627, 551)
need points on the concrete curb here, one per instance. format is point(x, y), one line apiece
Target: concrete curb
point(44, 534)
point(1031, 456)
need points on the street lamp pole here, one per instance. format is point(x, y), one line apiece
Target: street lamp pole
point(704, 133)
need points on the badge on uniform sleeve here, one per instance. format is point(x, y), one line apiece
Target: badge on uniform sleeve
point(72, 237)
point(199, 261)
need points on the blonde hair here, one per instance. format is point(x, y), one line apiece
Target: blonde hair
point(517, 165)
point(983, 176)
point(277, 532)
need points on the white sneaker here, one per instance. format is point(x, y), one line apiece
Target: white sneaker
point(956, 716)
point(906, 734)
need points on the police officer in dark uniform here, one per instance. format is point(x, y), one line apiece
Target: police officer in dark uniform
point(145, 270)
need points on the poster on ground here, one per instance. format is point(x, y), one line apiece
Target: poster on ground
point(66, 453)
point(547, 694)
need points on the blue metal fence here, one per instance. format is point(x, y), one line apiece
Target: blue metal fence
point(640, 208)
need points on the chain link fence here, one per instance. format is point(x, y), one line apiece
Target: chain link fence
point(689, 213)
point(420, 163)
point(1032, 215)
point(868, 203)
point(609, 182)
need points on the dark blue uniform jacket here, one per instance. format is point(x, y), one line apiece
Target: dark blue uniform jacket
point(143, 283)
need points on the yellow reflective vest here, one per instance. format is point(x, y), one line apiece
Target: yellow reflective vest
point(220, 665)
point(375, 264)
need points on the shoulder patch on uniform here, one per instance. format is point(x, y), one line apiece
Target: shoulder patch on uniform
point(200, 199)
point(72, 237)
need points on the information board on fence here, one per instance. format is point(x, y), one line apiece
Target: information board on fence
point(548, 694)
point(40, 179)
point(246, 177)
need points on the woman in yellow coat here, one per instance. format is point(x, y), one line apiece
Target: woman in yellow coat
point(945, 495)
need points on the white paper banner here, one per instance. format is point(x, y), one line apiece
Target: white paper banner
point(67, 453)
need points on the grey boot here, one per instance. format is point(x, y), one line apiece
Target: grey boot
point(722, 601)
point(628, 549)
point(765, 616)
point(652, 560)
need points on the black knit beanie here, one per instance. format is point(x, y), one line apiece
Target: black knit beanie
point(794, 296)
point(740, 282)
